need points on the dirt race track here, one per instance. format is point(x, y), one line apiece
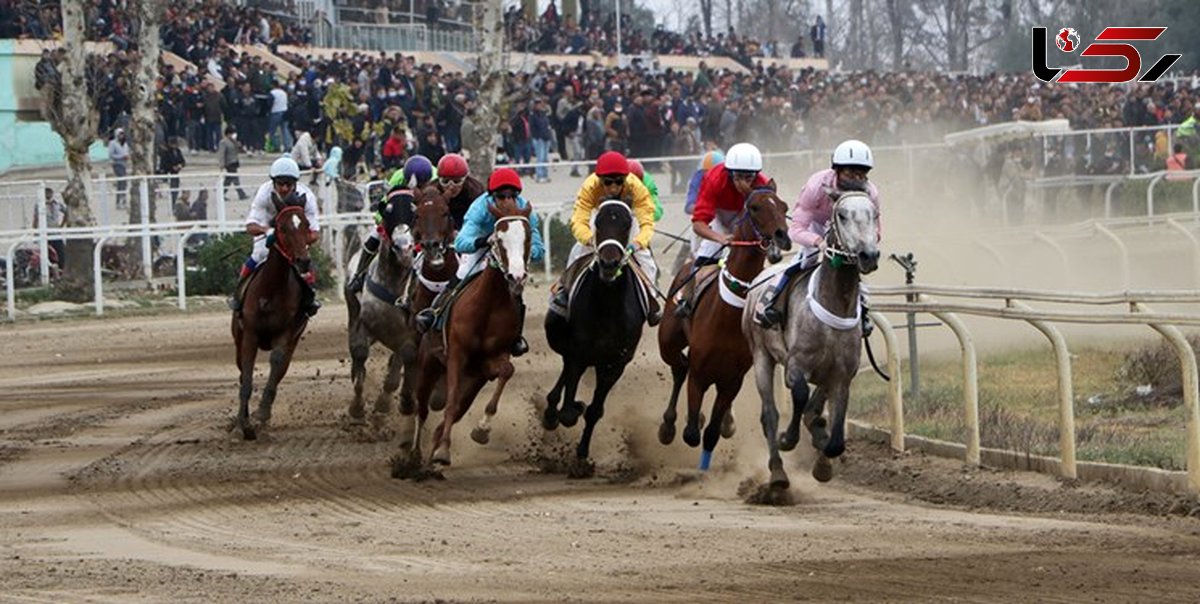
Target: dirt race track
point(120, 482)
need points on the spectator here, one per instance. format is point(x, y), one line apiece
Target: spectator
point(541, 137)
point(56, 218)
point(394, 150)
point(306, 154)
point(227, 156)
point(118, 154)
point(277, 130)
point(171, 162)
point(1178, 162)
point(817, 34)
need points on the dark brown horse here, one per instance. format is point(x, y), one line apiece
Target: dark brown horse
point(717, 352)
point(272, 316)
point(475, 346)
point(437, 263)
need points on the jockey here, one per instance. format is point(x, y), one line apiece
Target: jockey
point(635, 168)
point(285, 189)
point(612, 180)
point(851, 162)
point(721, 198)
point(456, 183)
point(472, 246)
point(710, 159)
point(417, 172)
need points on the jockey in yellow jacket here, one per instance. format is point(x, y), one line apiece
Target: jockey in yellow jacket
point(612, 180)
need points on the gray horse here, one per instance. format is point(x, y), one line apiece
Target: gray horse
point(376, 313)
point(820, 342)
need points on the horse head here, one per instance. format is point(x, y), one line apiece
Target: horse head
point(434, 227)
point(291, 236)
point(612, 228)
point(512, 241)
point(767, 214)
point(398, 215)
point(853, 231)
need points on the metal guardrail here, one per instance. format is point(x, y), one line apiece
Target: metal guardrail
point(918, 299)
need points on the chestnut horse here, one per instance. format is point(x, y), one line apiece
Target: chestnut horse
point(474, 347)
point(437, 263)
point(717, 352)
point(272, 316)
point(602, 331)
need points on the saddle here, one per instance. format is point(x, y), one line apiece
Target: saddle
point(704, 278)
point(452, 296)
point(307, 292)
point(572, 279)
point(771, 279)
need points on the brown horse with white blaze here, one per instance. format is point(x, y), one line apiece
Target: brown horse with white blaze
point(272, 315)
point(483, 324)
point(717, 353)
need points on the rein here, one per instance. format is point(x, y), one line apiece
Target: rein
point(278, 247)
point(492, 257)
point(763, 241)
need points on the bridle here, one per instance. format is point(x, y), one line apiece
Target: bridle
point(278, 246)
point(493, 256)
point(763, 240)
point(626, 249)
point(833, 248)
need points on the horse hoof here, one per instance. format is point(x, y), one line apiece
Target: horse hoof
point(691, 436)
point(441, 456)
point(779, 479)
point(822, 469)
point(437, 403)
point(666, 433)
point(405, 465)
point(787, 442)
point(728, 426)
point(356, 414)
point(249, 433)
point(481, 435)
point(581, 468)
point(569, 414)
point(550, 419)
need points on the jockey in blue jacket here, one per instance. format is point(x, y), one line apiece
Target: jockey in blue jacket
point(472, 245)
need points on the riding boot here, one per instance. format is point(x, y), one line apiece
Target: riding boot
point(235, 301)
point(360, 271)
point(684, 309)
point(428, 316)
point(868, 326)
point(771, 314)
point(309, 299)
point(520, 346)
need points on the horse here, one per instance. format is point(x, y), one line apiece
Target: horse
point(375, 314)
point(272, 316)
point(602, 329)
point(434, 232)
point(820, 340)
point(717, 354)
point(475, 345)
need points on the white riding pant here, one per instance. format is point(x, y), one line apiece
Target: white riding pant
point(260, 251)
point(643, 257)
point(705, 248)
point(469, 264)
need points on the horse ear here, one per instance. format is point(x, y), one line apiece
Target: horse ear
point(494, 209)
point(772, 186)
point(526, 211)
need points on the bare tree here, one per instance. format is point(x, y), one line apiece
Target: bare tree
point(76, 124)
point(706, 14)
point(141, 95)
point(896, 13)
point(493, 73)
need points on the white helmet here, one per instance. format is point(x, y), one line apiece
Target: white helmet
point(285, 167)
point(743, 156)
point(853, 153)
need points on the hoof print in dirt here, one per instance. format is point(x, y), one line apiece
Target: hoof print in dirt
point(410, 467)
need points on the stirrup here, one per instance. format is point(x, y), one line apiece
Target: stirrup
point(520, 347)
point(425, 319)
point(356, 284)
point(683, 310)
point(656, 317)
point(234, 303)
point(868, 326)
point(768, 317)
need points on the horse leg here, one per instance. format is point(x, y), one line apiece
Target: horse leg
point(726, 391)
point(666, 430)
point(247, 353)
point(822, 468)
point(407, 405)
point(606, 378)
point(383, 403)
point(550, 416)
point(457, 389)
point(483, 432)
point(814, 420)
point(360, 350)
point(281, 358)
point(764, 378)
point(571, 409)
point(691, 431)
point(791, 437)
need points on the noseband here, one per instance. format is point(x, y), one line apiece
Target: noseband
point(833, 248)
point(493, 255)
point(626, 252)
point(763, 241)
point(278, 246)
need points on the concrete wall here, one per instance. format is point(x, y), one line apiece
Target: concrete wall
point(25, 140)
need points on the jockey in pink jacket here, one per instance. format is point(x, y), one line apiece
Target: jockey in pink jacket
point(851, 162)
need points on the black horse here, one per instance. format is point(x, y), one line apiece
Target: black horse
point(602, 329)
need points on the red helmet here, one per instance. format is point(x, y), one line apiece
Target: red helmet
point(504, 177)
point(452, 165)
point(612, 163)
point(635, 168)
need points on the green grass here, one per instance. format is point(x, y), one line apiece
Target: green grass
point(1018, 407)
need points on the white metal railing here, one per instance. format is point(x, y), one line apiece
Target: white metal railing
point(1012, 306)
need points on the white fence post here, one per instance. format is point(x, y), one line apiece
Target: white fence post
point(895, 387)
point(147, 252)
point(1066, 396)
point(98, 287)
point(43, 241)
point(1191, 394)
point(1122, 251)
point(970, 379)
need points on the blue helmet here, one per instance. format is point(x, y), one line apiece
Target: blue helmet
point(418, 171)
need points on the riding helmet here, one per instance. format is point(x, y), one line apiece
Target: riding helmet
point(853, 153)
point(285, 167)
point(744, 157)
point(504, 177)
point(635, 168)
point(612, 163)
point(418, 171)
point(452, 165)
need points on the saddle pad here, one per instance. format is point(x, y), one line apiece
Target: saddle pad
point(574, 279)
